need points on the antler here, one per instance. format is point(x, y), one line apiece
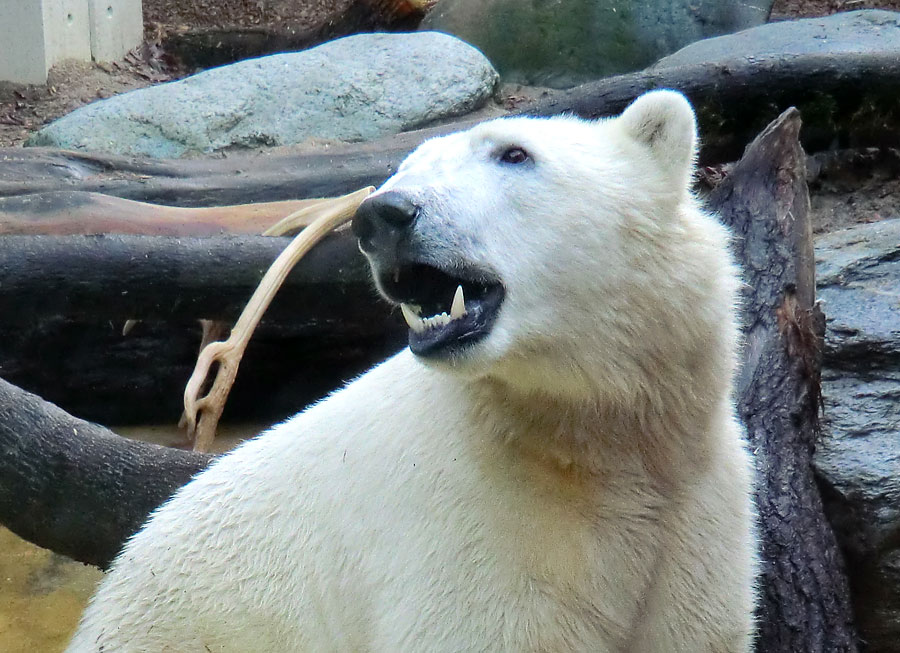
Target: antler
point(202, 414)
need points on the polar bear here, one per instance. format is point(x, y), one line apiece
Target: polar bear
point(553, 464)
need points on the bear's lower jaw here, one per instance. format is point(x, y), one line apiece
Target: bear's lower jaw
point(450, 337)
point(446, 311)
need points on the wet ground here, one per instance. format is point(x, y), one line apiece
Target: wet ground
point(42, 595)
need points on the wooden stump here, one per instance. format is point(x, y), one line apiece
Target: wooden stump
point(805, 601)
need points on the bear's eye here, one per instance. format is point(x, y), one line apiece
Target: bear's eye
point(514, 155)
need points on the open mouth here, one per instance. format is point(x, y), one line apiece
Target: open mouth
point(444, 312)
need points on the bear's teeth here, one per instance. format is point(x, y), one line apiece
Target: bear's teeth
point(415, 323)
point(420, 324)
point(458, 309)
point(437, 321)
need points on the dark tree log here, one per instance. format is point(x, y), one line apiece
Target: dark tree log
point(121, 277)
point(92, 370)
point(805, 600)
point(74, 487)
point(203, 182)
point(64, 301)
point(850, 98)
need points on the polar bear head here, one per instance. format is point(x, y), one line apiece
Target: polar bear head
point(557, 254)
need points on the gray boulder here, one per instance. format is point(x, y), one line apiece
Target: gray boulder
point(562, 43)
point(858, 458)
point(858, 278)
point(867, 30)
point(353, 89)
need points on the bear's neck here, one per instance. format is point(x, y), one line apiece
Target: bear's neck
point(592, 438)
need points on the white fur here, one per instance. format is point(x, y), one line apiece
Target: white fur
point(576, 482)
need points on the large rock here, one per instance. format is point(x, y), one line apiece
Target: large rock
point(353, 89)
point(562, 43)
point(858, 459)
point(867, 30)
point(858, 276)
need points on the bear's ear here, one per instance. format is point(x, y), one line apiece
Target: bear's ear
point(664, 122)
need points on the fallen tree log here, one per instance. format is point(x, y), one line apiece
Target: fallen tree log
point(65, 299)
point(805, 602)
point(118, 277)
point(64, 213)
point(201, 182)
point(849, 98)
point(95, 372)
point(75, 487)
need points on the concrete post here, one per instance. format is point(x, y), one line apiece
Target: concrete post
point(117, 26)
point(35, 34)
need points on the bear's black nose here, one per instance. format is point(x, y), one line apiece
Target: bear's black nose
point(381, 221)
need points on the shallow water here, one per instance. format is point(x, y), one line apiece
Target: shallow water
point(42, 594)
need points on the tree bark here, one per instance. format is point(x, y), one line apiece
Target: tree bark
point(850, 99)
point(805, 601)
point(74, 487)
point(204, 182)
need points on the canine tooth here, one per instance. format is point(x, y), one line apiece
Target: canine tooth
point(459, 304)
point(414, 321)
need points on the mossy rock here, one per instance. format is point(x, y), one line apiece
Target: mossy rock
point(561, 43)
